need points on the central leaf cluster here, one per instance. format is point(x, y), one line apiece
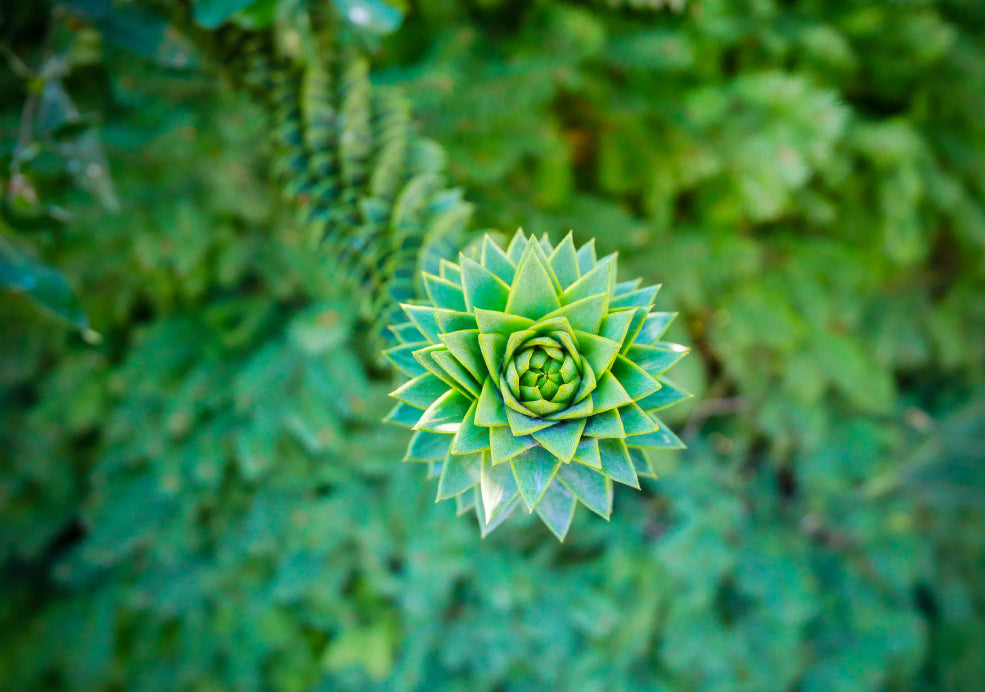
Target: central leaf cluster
point(543, 372)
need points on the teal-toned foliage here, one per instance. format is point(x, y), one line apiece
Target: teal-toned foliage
point(523, 360)
point(205, 499)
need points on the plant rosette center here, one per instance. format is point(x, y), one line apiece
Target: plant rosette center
point(543, 372)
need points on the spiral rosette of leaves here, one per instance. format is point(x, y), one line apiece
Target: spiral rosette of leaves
point(534, 378)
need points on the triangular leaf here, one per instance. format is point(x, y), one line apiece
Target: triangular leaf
point(403, 358)
point(561, 439)
point(461, 378)
point(642, 298)
point(654, 327)
point(615, 325)
point(517, 246)
point(588, 453)
point(556, 509)
point(532, 293)
point(641, 463)
point(590, 487)
point(451, 321)
point(421, 391)
point(666, 396)
point(564, 261)
point(609, 394)
point(586, 257)
point(496, 261)
point(460, 472)
point(498, 487)
point(534, 470)
point(470, 437)
point(522, 424)
point(504, 445)
point(597, 351)
point(403, 415)
point(635, 421)
point(482, 288)
point(501, 323)
point(598, 280)
point(585, 314)
point(633, 378)
point(654, 360)
point(616, 463)
point(445, 415)
point(444, 293)
point(663, 438)
point(428, 446)
point(464, 345)
point(490, 410)
point(605, 424)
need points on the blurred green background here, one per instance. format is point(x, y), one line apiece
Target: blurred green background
point(196, 492)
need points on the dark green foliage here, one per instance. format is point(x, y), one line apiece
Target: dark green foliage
point(206, 499)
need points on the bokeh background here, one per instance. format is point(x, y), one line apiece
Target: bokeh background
point(196, 492)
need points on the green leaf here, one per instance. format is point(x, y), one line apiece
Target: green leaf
point(662, 438)
point(450, 321)
point(666, 396)
point(464, 345)
point(609, 394)
point(635, 421)
point(532, 294)
point(408, 333)
point(374, 16)
point(504, 445)
point(561, 439)
point(486, 528)
point(590, 487)
point(490, 411)
point(404, 415)
point(588, 453)
point(634, 379)
point(517, 246)
point(564, 261)
point(498, 487)
point(460, 377)
point(641, 463)
point(605, 424)
point(444, 294)
point(587, 257)
point(459, 473)
point(585, 314)
point(556, 509)
point(445, 415)
point(483, 289)
point(424, 318)
point(403, 358)
point(655, 360)
point(470, 437)
point(496, 261)
point(617, 464)
point(598, 280)
point(654, 327)
point(211, 14)
point(534, 469)
point(428, 446)
point(501, 323)
point(466, 501)
point(521, 424)
point(643, 298)
point(597, 351)
point(421, 391)
point(615, 325)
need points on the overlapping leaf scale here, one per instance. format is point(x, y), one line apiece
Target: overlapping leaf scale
point(500, 333)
